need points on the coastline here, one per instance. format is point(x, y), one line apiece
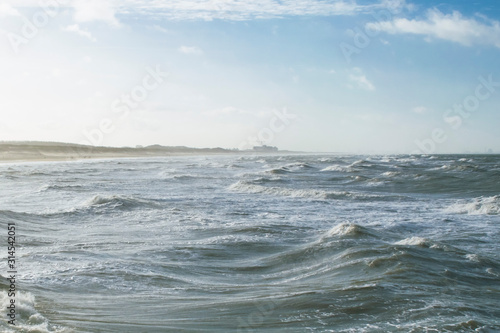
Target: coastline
point(12, 152)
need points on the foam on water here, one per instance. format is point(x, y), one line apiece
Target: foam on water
point(478, 206)
point(118, 201)
point(243, 186)
point(257, 243)
point(414, 241)
point(338, 168)
point(28, 319)
point(345, 229)
point(279, 191)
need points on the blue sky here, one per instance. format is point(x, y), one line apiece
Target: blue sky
point(363, 77)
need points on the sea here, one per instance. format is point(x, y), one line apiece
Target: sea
point(253, 243)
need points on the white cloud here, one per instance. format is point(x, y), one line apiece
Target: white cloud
point(244, 10)
point(76, 29)
point(107, 10)
point(95, 10)
point(420, 109)
point(357, 77)
point(8, 10)
point(191, 50)
point(452, 27)
point(84, 10)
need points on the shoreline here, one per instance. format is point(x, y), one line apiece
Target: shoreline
point(95, 157)
point(21, 152)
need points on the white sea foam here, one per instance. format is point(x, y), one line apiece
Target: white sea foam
point(478, 206)
point(492, 272)
point(347, 168)
point(246, 187)
point(298, 165)
point(150, 242)
point(391, 174)
point(28, 319)
point(414, 241)
point(343, 229)
point(336, 167)
point(241, 186)
point(58, 187)
point(473, 257)
point(118, 200)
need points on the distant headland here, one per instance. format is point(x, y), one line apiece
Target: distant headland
point(58, 151)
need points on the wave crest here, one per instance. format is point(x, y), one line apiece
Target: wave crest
point(118, 201)
point(241, 186)
point(28, 319)
point(346, 229)
point(415, 241)
point(58, 187)
point(337, 168)
point(247, 187)
point(478, 206)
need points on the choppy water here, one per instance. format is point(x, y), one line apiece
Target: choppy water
point(255, 243)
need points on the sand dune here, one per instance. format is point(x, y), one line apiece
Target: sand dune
point(55, 151)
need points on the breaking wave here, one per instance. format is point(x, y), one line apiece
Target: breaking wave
point(57, 187)
point(27, 318)
point(347, 229)
point(118, 202)
point(415, 241)
point(246, 187)
point(478, 206)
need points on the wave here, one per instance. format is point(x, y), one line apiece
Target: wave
point(28, 319)
point(344, 229)
point(363, 163)
point(279, 191)
point(246, 187)
point(330, 252)
point(186, 177)
point(97, 203)
point(291, 167)
point(459, 168)
point(353, 167)
point(478, 206)
point(118, 202)
point(235, 166)
point(423, 242)
point(338, 168)
point(299, 165)
point(415, 241)
point(56, 187)
point(264, 180)
point(279, 171)
point(348, 229)
point(391, 174)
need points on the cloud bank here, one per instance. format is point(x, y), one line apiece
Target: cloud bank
point(109, 10)
point(451, 27)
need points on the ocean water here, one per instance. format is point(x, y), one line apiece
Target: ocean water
point(273, 243)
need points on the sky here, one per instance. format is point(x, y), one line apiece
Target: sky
point(386, 76)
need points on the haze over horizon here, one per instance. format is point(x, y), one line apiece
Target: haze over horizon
point(389, 76)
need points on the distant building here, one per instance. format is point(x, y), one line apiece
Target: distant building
point(265, 148)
